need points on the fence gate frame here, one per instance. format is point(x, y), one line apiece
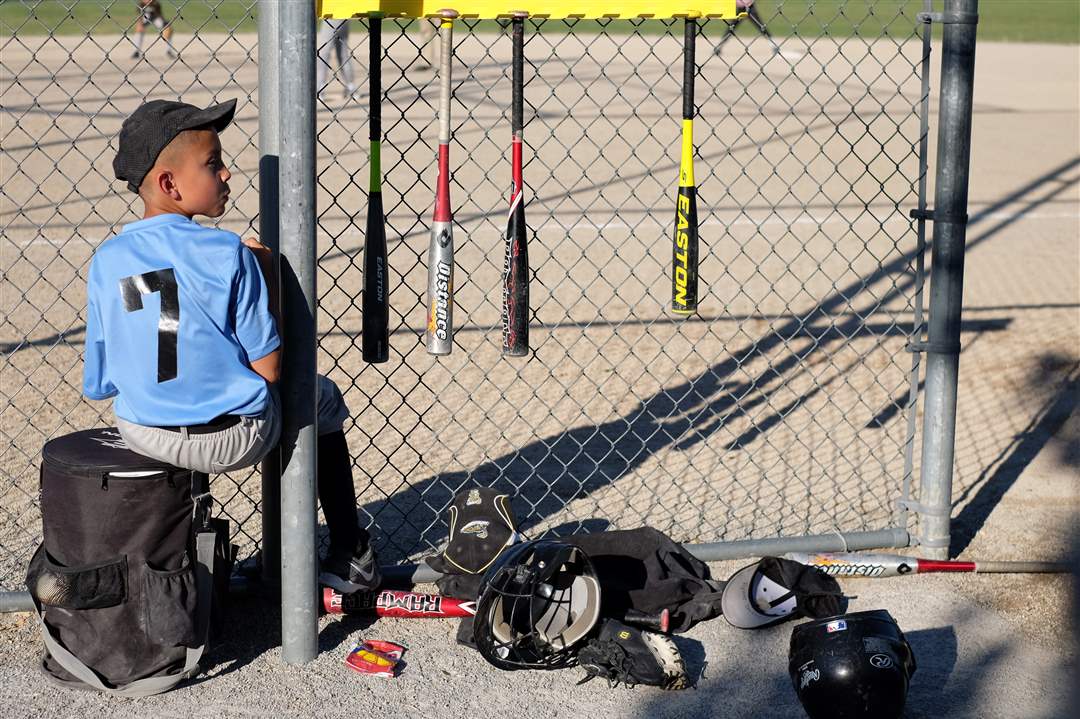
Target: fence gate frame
point(941, 346)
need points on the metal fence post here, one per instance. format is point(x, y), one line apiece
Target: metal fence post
point(269, 219)
point(296, 72)
point(947, 271)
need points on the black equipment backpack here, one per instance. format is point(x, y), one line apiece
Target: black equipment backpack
point(125, 576)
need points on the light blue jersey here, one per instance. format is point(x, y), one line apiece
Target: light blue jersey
point(176, 312)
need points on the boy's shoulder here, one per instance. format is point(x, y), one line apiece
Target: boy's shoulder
point(183, 230)
point(210, 245)
point(211, 236)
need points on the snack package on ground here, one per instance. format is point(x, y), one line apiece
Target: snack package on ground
point(391, 650)
point(375, 657)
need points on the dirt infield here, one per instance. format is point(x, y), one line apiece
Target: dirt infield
point(766, 417)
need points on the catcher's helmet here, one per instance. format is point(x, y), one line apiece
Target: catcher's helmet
point(535, 603)
point(851, 666)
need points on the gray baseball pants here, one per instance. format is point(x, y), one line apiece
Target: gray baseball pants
point(235, 447)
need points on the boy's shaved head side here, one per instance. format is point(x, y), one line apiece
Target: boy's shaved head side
point(172, 155)
point(182, 142)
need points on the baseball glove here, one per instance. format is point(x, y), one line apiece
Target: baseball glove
point(626, 655)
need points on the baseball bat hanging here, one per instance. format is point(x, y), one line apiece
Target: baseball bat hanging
point(375, 340)
point(684, 270)
point(397, 603)
point(440, 290)
point(515, 313)
point(854, 564)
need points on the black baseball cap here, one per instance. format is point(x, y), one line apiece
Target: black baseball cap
point(774, 589)
point(482, 525)
point(153, 126)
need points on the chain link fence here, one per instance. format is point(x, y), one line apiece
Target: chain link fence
point(785, 407)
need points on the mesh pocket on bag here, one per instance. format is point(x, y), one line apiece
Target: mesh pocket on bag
point(87, 587)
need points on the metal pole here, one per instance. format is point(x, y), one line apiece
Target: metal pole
point(408, 574)
point(296, 71)
point(269, 151)
point(918, 315)
point(947, 274)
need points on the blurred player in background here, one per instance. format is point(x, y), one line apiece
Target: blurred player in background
point(334, 37)
point(755, 17)
point(428, 50)
point(150, 14)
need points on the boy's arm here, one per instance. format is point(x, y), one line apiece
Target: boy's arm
point(268, 366)
point(96, 382)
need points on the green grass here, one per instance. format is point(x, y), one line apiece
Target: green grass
point(1056, 21)
point(1036, 21)
point(77, 17)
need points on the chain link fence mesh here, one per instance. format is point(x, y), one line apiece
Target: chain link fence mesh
point(782, 408)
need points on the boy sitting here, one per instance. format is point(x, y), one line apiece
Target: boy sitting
point(182, 328)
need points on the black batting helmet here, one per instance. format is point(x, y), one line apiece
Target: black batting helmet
point(852, 666)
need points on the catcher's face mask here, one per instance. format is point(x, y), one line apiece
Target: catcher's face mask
point(535, 604)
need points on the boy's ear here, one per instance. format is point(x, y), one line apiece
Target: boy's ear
point(162, 181)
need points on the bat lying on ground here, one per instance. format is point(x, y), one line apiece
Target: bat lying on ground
point(854, 564)
point(417, 605)
point(397, 603)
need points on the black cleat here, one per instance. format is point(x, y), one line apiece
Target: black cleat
point(357, 572)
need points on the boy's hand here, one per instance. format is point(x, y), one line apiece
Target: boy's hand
point(262, 252)
point(265, 258)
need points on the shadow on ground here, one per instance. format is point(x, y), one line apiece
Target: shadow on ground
point(545, 475)
point(948, 681)
point(1044, 429)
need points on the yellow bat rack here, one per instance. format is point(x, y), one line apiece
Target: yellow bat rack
point(551, 9)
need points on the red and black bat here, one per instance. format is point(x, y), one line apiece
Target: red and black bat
point(397, 603)
point(375, 340)
point(515, 314)
point(853, 564)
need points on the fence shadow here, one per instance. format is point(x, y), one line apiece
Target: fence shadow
point(546, 474)
point(1002, 472)
point(585, 459)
